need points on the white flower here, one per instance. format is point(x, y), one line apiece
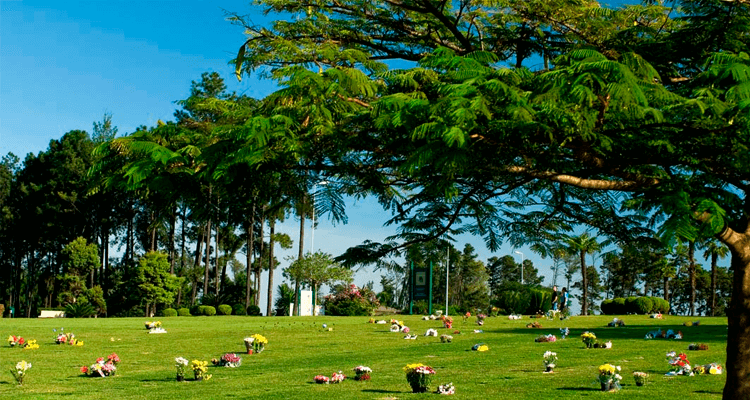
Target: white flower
point(181, 361)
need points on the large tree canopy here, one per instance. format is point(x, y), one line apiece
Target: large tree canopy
point(651, 102)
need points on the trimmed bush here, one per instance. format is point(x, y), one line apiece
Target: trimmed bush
point(239, 309)
point(169, 312)
point(183, 312)
point(208, 311)
point(630, 307)
point(619, 307)
point(225, 309)
point(195, 310)
point(655, 304)
point(539, 301)
point(643, 305)
point(254, 310)
point(607, 307)
point(513, 301)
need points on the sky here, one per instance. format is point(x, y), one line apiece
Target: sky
point(64, 64)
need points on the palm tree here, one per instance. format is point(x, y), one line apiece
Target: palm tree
point(714, 249)
point(581, 245)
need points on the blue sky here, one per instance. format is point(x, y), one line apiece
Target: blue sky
point(63, 64)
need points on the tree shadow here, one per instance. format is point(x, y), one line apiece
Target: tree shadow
point(380, 391)
point(580, 389)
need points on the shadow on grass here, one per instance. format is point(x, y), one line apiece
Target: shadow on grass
point(690, 333)
point(167, 379)
point(580, 389)
point(380, 391)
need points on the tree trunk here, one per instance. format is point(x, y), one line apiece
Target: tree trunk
point(714, 262)
point(198, 259)
point(666, 288)
point(258, 268)
point(172, 228)
point(217, 283)
point(153, 232)
point(738, 315)
point(206, 271)
point(584, 274)
point(300, 255)
point(249, 254)
point(691, 273)
point(269, 305)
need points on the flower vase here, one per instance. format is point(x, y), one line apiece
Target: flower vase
point(608, 386)
point(180, 378)
point(549, 369)
point(249, 347)
point(416, 387)
point(639, 383)
point(250, 351)
point(199, 378)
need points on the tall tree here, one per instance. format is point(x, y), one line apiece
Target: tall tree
point(714, 250)
point(582, 245)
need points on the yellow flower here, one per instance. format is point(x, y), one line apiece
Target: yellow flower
point(411, 367)
point(606, 369)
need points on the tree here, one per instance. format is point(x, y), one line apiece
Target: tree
point(155, 283)
point(610, 114)
point(714, 250)
point(582, 245)
point(317, 269)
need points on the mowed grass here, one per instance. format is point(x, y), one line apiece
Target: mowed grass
point(299, 348)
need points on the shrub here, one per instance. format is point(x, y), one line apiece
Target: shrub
point(352, 301)
point(169, 312)
point(225, 309)
point(208, 311)
point(608, 306)
point(539, 300)
point(643, 305)
point(253, 310)
point(630, 307)
point(619, 306)
point(513, 301)
point(239, 309)
point(663, 306)
point(195, 310)
point(184, 312)
point(79, 310)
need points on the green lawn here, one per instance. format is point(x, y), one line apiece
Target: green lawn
point(299, 349)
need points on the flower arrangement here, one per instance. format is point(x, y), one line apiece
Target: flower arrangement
point(200, 370)
point(30, 345)
point(19, 372)
point(447, 321)
point(712, 369)
point(362, 373)
point(446, 338)
point(405, 329)
point(616, 322)
point(603, 345)
point(480, 347)
point(534, 324)
point(640, 378)
point(320, 379)
point(102, 368)
point(564, 332)
point(181, 365)
point(550, 361)
point(337, 377)
point(609, 377)
point(588, 338)
point(14, 341)
point(545, 338)
point(230, 360)
point(446, 388)
point(679, 364)
point(699, 346)
point(153, 324)
point(68, 338)
point(657, 316)
point(431, 332)
point(395, 328)
point(419, 376)
point(257, 341)
point(480, 319)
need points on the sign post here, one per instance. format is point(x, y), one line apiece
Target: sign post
point(421, 286)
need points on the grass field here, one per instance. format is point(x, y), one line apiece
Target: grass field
point(299, 348)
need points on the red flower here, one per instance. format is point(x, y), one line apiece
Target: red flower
point(85, 369)
point(100, 359)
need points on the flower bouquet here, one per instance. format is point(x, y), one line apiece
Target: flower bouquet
point(181, 365)
point(431, 332)
point(712, 369)
point(19, 372)
point(564, 332)
point(447, 388)
point(679, 364)
point(640, 378)
point(447, 321)
point(229, 360)
point(609, 377)
point(337, 377)
point(362, 373)
point(153, 324)
point(395, 328)
point(545, 338)
point(200, 370)
point(550, 361)
point(14, 341)
point(603, 345)
point(68, 338)
point(699, 346)
point(480, 319)
point(102, 368)
point(446, 338)
point(534, 324)
point(419, 376)
point(588, 339)
point(321, 379)
point(480, 347)
point(255, 343)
